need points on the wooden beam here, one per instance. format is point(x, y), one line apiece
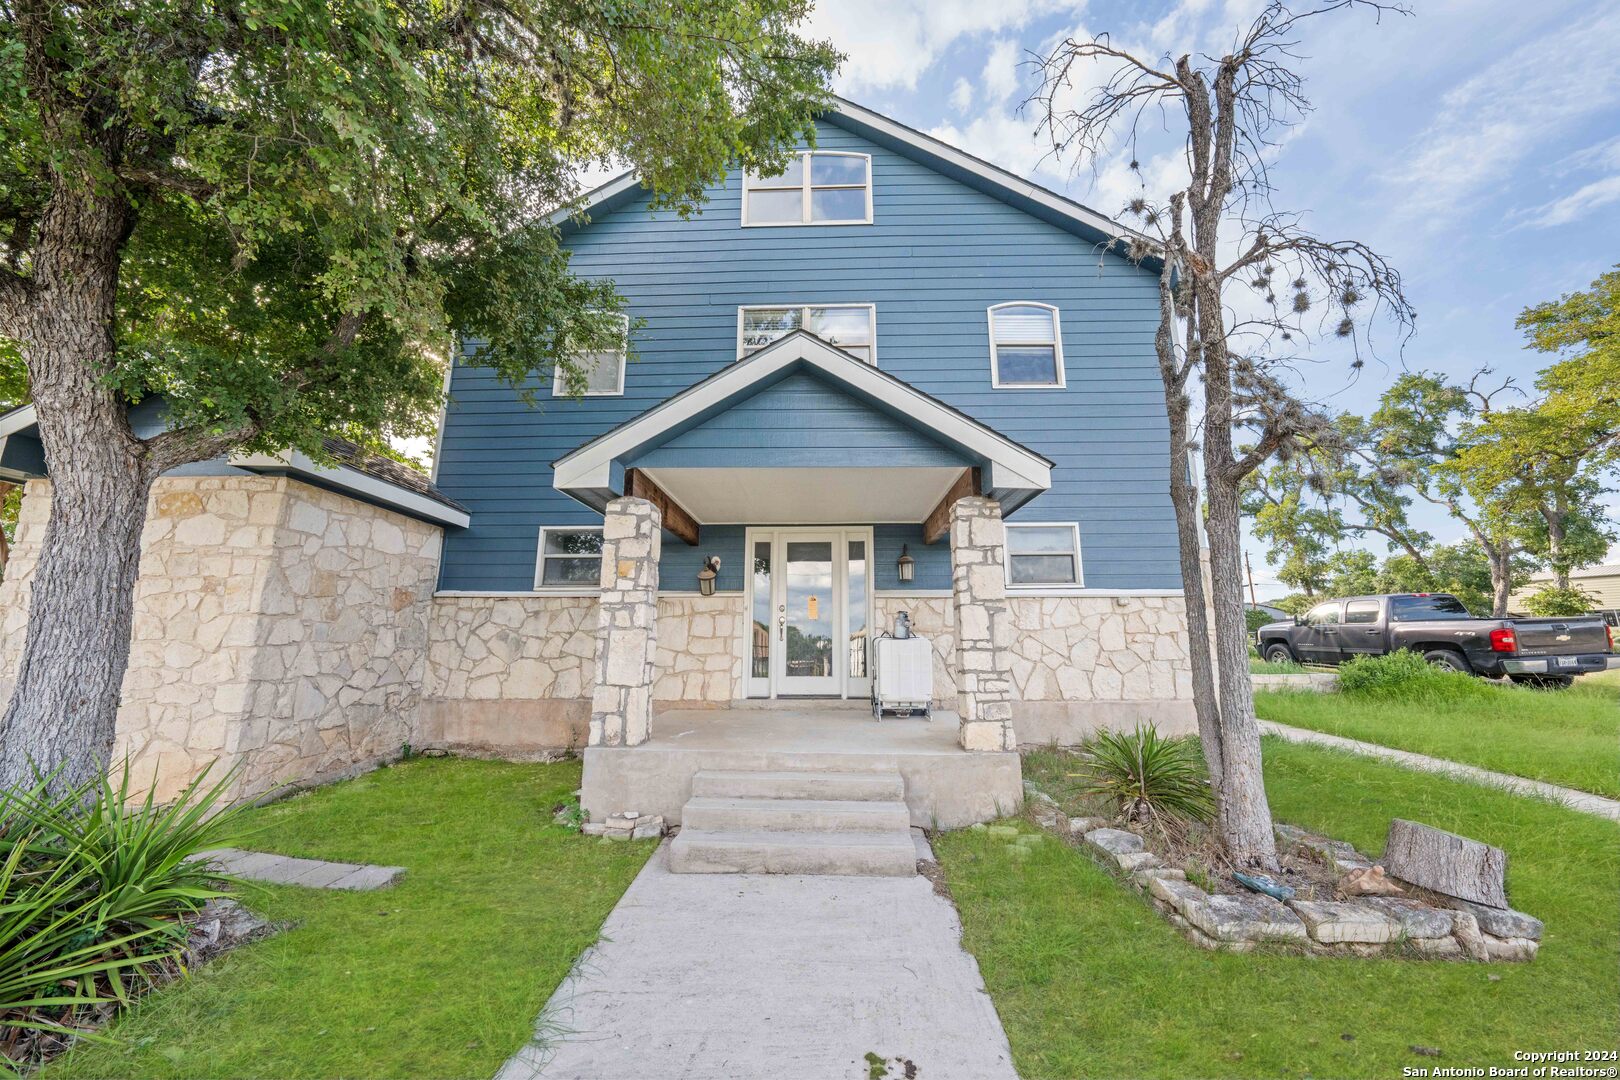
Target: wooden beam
point(638, 485)
point(938, 522)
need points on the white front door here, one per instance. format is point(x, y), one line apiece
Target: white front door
point(809, 594)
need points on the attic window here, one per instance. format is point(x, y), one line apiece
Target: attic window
point(851, 327)
point(1026, 346)
point(818, 188)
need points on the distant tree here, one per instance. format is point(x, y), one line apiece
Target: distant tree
point(1351, 573)
point(1220, 248)
point(1560, 600)
point(1461, 570)
point(273, 215)
point(1298, 530)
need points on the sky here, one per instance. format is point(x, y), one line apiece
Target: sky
point(1474, 143)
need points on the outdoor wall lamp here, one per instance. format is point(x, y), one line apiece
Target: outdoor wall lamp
point(706, 576)
point(906, 567)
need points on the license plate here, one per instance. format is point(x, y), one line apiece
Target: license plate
point(1568, 661)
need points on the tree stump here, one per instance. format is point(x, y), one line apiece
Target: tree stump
point(1447, 863)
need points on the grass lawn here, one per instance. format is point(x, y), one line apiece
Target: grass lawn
point(442, 975)
point(1091, 981)
point(1271, 667)
point(1569, 737)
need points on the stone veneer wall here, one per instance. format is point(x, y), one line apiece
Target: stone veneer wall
point(512, 674)
point(277, 626)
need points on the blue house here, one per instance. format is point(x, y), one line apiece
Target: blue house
point(893, 378)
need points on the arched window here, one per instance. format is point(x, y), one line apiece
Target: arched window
point(1026, 346)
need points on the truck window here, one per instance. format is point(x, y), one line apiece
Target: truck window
point(1323, 615)
point(1362, 611)
point(1419, 608)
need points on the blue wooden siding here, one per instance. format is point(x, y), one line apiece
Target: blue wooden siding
point(937, 256)
point(801, 422)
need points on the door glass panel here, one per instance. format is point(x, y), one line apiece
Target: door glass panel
point(759, 644)
point(857, 609)
point(809, 637)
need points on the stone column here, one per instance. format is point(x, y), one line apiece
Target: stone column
point(984, 626)
point(627, 627)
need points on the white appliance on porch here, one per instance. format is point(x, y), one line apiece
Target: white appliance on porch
point(902, 671)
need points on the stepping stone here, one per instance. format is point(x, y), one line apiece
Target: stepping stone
point(309, 873)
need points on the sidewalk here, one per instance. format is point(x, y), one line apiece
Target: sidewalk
point(1582, 801)
point(711, 976)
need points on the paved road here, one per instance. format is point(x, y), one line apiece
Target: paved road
point(1583, 801)
point(710, 976)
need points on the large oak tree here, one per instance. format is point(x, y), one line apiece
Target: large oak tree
point(272, 215)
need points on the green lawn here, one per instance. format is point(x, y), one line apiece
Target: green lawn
point(1271, 667)
point(1569, 737)
point(1091, 981)
point(442, 975)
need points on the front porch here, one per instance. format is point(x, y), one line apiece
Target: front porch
point(946, 786)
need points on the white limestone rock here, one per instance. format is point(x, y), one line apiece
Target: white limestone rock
point(1334, 922)
point(1115, 841)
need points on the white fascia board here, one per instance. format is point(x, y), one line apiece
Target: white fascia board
point(591, 465)
point(17, 419)
point(596, 197)
point(352, 480)
point(986, 171)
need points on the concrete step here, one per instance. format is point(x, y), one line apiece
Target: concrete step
point(715, 814)
point(866, 854)
point(863, 786)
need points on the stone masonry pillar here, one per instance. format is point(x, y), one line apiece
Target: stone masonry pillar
point(627, 626)
point(984, 627)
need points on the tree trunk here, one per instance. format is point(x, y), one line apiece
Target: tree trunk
point(62, 713)
point(1501, 560)
point(1557, 517)
point(1184, 500)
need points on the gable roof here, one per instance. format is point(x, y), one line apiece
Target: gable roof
point(594, 472)
point(959, 165)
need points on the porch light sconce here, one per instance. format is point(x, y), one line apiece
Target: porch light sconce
point(906, 567)
point(706, 576)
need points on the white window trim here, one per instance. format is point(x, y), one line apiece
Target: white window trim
point(540, 587)
point(1044, 586)
point(806, 186)
point(1056, 343)
point(558, 391)
point(804, 310)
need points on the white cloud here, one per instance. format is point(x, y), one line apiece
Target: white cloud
point(1497, 118)
point(1578, 203)
point(1002, 73)
point(892, 46)
point(962, 96)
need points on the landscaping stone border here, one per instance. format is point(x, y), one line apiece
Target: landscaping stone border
point(310, 873)
point(1433, 926)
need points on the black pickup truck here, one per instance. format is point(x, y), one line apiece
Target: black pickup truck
point(1541, 652)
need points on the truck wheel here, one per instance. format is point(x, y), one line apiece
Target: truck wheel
point(1544, 682)
point(1278, 653)
point(1449, 660)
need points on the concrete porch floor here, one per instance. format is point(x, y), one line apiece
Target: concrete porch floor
point(946, 786)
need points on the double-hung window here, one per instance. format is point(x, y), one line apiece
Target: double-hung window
point(601, 372)
point(570, 558)
point(818, 188)
point(1043, 555)
point(851, 327)
point(1026, 346)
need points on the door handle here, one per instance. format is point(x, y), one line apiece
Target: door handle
point(1372, 631)
point(781, 628)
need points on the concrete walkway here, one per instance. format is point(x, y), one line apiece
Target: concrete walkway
point(1583, 801)
point(727, 976)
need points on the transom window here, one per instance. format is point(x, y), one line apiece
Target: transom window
point(818, 188)
point(570, 558)
point(602, 375)
point(1026, 346)
point(1043, 554)
point(851, 327)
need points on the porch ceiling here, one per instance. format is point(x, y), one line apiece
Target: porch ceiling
point(806, 496)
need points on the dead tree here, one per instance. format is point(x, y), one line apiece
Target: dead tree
point(1243, 287)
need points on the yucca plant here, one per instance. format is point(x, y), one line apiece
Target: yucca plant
point(1147, 776)
point(139, 854)
point(51, 961)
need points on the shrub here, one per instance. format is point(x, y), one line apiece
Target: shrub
point(94, 892)
point(1148, 777)
point(1405, 674)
